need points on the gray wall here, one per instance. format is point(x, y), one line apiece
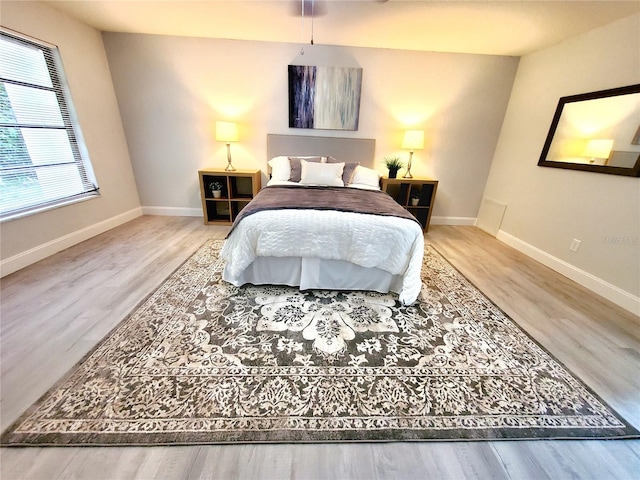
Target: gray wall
point(171, 90)
point(548, 207)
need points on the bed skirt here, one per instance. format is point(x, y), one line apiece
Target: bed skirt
point(315, 273)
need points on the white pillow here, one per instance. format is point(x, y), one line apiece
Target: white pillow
point(281, 182)
point(280, 168)
point(325, 174)
point(363, 186)
point(366, 176)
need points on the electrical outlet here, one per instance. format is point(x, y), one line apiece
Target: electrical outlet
point(575, 244)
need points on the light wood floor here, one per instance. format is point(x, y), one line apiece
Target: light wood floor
point(55, 311)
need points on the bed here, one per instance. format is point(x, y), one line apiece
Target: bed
point(323, 223)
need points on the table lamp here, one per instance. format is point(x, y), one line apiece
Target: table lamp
point(227, 132)
point(597, 148)
point(413, 140)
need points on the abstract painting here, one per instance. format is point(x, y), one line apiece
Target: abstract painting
point(326, 98)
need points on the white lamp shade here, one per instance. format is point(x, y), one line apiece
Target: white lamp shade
point(598, 148)
point(226, 132)
point(413, 140)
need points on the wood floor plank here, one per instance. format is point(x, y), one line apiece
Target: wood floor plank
point(103, 464)
point(595, 460)
point(334, 460)
point(35, 463)
point(215, 462)
point(387, 462)
point(265, 461)
point(54, 312)
point(163, 463)
point(461, 460)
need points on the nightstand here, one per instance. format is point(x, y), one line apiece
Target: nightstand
point(404, 189)
point(238, 188)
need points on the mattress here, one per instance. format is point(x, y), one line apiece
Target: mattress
point(328, 249)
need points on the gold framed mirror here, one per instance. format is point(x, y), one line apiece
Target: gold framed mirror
point(596, 132)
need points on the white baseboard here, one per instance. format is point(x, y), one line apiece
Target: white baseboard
point(33, 255)
point(467, 221)
point(197, 212)
point(172, 211)
point(597, 285)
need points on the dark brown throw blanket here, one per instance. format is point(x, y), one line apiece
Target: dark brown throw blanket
point(340, 199)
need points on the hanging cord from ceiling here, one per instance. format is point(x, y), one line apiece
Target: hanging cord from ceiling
point(312, 15)
point(302, 2)
point(302, 16)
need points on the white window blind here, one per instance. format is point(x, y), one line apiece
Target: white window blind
point(43, 162)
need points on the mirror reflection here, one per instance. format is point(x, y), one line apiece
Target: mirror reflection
point(597, 131)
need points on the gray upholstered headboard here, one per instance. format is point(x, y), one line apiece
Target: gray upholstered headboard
point(344, 149)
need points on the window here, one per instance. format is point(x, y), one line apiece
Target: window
point(42, 159)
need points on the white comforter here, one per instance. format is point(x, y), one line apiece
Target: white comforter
point(392, 244)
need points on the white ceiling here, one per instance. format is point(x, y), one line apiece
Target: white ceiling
point(514, 27)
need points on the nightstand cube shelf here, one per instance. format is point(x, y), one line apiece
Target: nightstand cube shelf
point(422, 189)
point(238, 188)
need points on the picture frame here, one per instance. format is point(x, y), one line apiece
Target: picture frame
point(326, 98)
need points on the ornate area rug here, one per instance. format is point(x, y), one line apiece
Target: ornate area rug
point(201, 361)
